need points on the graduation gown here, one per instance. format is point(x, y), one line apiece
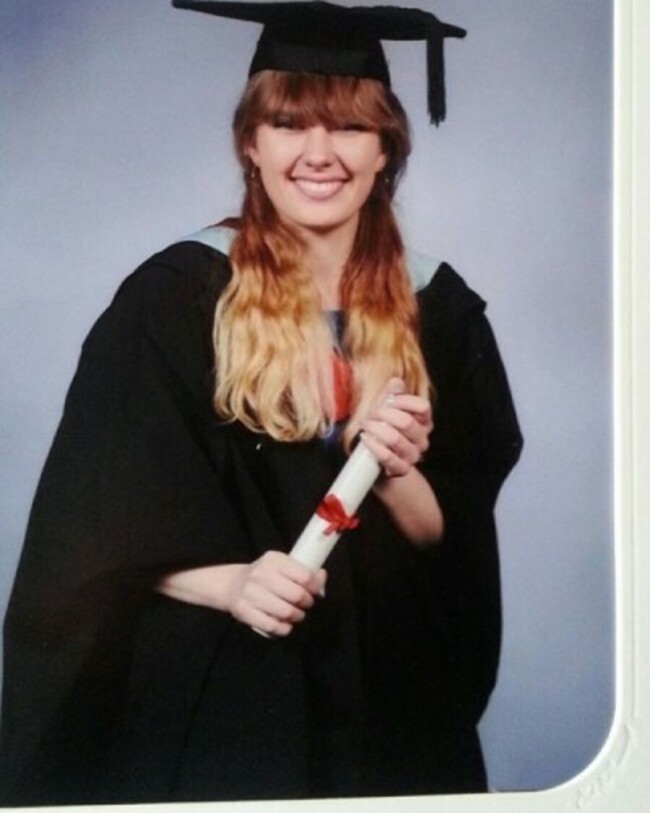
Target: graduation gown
point(115, 693)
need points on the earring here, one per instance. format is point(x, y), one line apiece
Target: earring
point(252, 173)
point(383, 185)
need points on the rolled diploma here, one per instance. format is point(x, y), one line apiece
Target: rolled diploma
point(354, 481)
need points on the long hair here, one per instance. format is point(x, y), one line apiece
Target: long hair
point(273, 344)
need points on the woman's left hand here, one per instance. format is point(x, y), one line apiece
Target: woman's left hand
point(397, 429)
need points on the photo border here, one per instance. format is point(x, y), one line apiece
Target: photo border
point(618, 779)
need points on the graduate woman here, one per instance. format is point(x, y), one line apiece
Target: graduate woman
point(215, 401)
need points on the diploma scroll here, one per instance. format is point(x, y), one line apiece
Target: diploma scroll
point(323, 530)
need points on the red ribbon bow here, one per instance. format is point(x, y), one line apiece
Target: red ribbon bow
point(332, 511)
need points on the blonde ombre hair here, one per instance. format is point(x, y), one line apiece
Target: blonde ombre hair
point(272, 342)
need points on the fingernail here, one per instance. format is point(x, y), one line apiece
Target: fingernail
point(321, 591)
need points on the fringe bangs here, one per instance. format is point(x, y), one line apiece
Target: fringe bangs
point(329, 100)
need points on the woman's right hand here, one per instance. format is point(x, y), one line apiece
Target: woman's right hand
point(270, 594)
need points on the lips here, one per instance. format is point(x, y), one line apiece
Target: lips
point(319, 189)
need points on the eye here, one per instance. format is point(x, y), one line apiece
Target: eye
point(284, 121)
point(353, 127)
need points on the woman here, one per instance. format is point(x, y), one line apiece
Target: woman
point(215, 401)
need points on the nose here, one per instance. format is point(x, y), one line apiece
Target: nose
point(317, 149)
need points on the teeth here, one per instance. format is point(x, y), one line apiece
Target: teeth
point(318, 189)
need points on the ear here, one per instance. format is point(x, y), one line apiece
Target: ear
point(382, 160)
point(252, 153)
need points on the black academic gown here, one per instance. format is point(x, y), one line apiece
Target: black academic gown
point(114, 693)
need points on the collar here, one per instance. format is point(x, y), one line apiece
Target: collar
point(420, 267)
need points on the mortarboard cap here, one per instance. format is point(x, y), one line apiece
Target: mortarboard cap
point(321, 37)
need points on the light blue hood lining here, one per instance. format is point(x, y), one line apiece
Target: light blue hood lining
point(420, 267)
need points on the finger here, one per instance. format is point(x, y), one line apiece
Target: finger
point(318, 582)
point(299, 596)
point(411, 415)
point(276, 563)
point(276, 595)
point(391, 463)
point(256, 600)
point(266, 624)
point(415, 405)
point(394, 392)
point(276, 573)
point(267, 588)
point(409, 402)
point(395, 441)
point(404, 410)
point(404, 423)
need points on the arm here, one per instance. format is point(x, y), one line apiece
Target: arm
point(413, 506)
point(271, 594)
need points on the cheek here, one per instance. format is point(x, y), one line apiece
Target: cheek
point(374, 168)
point(273, 160)
point(261, 149)
point(376, 158)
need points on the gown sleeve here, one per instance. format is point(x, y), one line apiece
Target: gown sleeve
point(131, 489)
point(475, 443)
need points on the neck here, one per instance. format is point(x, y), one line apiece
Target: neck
point(327, 254)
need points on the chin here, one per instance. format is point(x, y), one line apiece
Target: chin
point(322, 220)
point(320, 226)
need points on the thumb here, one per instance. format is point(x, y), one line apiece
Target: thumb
point(318, 582)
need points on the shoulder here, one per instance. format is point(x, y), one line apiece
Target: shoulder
point(185, 273)
point(159, 323)
point(172, 288)
point(165, 306)
point(454, 329)
point(445, 300)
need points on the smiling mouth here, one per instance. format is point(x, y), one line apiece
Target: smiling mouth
point(319, 190)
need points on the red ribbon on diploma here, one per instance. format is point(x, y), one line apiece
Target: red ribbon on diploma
point(331, 510)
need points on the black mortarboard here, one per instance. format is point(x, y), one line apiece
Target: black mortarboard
point(320, 37)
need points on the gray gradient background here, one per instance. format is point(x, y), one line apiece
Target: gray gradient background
point(114, 141)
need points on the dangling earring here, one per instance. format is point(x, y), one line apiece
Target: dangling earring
point(252, 173)
point(383, 185)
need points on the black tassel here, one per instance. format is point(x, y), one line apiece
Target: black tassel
point(436, 73)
